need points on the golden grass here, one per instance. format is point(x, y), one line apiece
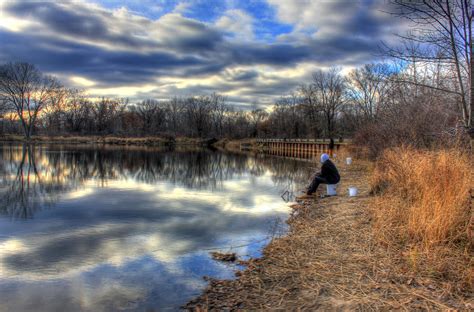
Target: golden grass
point(424, 207)
point(425, 195)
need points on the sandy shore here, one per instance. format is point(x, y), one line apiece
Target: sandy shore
point(330, 260)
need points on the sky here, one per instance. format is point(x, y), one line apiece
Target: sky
point(251, 51)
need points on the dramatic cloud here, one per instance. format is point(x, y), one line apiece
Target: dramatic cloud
point(340, 19)
point(191, 47)
point(237, 23)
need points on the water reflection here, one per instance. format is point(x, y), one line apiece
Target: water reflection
point(128, 228)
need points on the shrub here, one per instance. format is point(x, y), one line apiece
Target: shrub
point(419, 122)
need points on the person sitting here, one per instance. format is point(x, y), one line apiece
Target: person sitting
point(328, 175)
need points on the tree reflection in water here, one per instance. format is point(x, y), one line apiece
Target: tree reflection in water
point(33, 177)
point(26, 185)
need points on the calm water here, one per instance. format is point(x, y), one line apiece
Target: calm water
point(86, 228)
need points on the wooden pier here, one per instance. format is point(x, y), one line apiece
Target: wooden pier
point(298, 148)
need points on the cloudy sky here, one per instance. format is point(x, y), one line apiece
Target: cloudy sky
point(252, 51)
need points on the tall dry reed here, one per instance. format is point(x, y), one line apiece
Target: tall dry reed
point(425, 195)
point(423, 205)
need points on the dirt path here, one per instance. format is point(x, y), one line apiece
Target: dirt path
point(329, 261)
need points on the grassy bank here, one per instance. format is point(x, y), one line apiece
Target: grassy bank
point(338, 255)
point(238, 145)
point(112, 140)
point(423, 209)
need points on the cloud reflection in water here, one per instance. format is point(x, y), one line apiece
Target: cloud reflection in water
point(109, 228)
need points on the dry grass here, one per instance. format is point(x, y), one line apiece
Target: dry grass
point(425, 194)
point(235, 145)
point(109, 139)
point(332, 260)
point(424, 209)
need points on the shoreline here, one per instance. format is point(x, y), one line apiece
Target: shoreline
point(330, 259)
point(224, 144)
point(111, 140)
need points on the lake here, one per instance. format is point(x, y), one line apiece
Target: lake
point(96, 228)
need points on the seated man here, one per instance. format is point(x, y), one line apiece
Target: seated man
point(328, 175)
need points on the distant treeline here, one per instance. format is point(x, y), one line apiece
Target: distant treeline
point(374, 98)
point(330, 105)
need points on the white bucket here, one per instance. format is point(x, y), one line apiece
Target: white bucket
point(353, 191)
point(331, 189)
point(348, 160)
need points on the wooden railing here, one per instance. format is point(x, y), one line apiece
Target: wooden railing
point(319, 141)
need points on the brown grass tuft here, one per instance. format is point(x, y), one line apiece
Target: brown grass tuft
point(424, 206)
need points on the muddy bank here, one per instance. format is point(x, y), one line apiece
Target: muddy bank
point(331, 260)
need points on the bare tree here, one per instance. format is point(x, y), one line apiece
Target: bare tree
point(54, 112)
point(444, 27)
point(257, 116)
point(77, 111)
point(26, 91)
point(367, 88)
point(312, 106)
point(219, 109)
point(198, 111)
point(329, 90)
point(151, 114)
point(287, 118)
point(104, 113)
point(174, 111)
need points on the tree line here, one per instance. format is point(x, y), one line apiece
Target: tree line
point(35, 103)
point(420, 93)
point(330, 105)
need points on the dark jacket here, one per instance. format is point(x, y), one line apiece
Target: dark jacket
point(329, 172)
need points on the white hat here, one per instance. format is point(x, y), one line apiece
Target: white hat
point(324, 157)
